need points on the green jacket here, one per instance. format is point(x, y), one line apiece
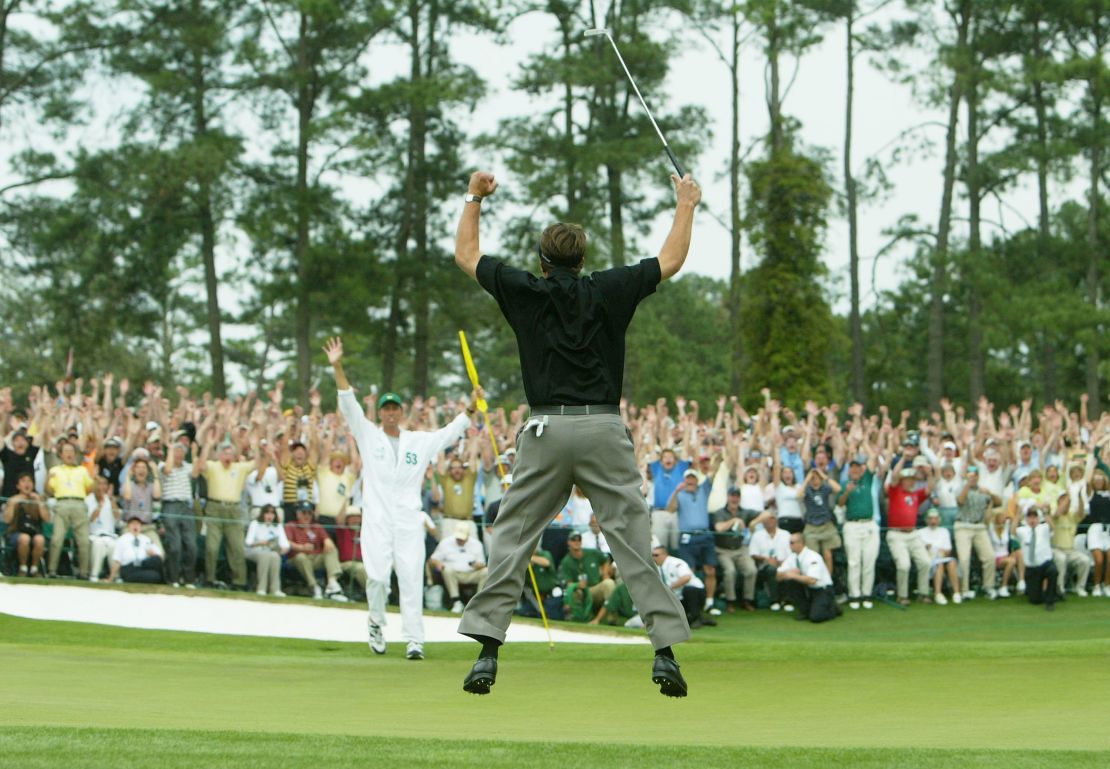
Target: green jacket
point(589, 564)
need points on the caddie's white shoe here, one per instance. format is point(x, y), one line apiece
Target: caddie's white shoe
point(414, 651)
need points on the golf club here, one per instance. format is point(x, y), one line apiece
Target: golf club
point(674, 160)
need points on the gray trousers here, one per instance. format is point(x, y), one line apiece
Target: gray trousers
point(181, 540)
point(594, 452)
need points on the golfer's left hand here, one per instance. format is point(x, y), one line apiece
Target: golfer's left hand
point(482, 183)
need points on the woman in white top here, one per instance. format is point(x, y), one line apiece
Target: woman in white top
point(103, 515)
point(938, 541)
point(266, 543)
point(784, 490)
point(999, 532)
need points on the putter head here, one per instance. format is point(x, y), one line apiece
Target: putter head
point(595, 32)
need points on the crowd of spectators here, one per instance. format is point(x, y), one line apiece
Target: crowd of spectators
point(800, 513)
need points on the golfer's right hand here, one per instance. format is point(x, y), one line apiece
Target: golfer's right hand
point(686, 189)
point(482, 183)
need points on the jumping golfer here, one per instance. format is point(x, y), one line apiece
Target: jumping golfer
point(570, 335)
point(393, 464)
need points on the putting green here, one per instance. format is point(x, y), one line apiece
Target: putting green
point(988, 681)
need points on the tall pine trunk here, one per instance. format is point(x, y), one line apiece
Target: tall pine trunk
point(971, 273)
point(939, 278)
point(736, 360)
point(418, 127)
point(616, 215)
point(1049, 375)
point(859, 392)
point(302, 314)
point(208, 237)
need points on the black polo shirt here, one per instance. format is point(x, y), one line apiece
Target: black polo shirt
point(16, 465)
point(569, 328)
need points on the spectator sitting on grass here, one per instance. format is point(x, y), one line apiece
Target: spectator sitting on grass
point(730, 524)
point(460, 560)
point(311, 549)
point(24, 515)
point(266, 543)
point(938, 543)
point(583, 569)
point(348, 541)
point(1036, 548)
point(136, 558)
point(769, 548)
point(103, 515)
point(806, 583)
point(619, 609)
point(686, 586)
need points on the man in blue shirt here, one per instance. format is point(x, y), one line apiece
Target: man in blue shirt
point(790, 455)
point(666, 477)
point(695, 535)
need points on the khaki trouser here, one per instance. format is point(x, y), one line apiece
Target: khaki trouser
point(904, 547)
point(355, 568)
point(70, 514)
point(223, 521)
point(1077, 561)
point(267, 561)
point(600, 592)
point(861, 546)
point(308, 564)
point(737, 561)
point(967, 536)
point(595, 452)
point(452, 579)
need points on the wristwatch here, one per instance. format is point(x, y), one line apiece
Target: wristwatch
point(471, 198)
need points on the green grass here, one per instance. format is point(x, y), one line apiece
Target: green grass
point(977, 685)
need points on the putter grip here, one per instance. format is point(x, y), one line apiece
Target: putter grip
point(674, 160)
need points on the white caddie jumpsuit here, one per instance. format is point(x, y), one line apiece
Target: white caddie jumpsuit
point(392, 518)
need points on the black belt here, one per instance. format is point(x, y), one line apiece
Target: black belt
point(575, 411)
point(70, 499)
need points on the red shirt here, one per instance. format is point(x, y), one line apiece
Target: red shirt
point(312, 534)
point(902, 513)
point(349, 544)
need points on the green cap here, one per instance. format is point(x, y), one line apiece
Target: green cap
point(390, 398)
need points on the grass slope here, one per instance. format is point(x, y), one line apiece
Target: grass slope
point(933, 686)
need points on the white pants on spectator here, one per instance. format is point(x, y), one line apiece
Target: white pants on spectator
point(1075, 559)
point(975, 535)
point(906, 546)
point(102, 547)
point(861, 546)
point(394, 541)
point(664, 527)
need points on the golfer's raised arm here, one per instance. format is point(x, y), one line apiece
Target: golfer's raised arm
point(673, 254)
point(467, 252)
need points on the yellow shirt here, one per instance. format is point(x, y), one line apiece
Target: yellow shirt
point(226, 484)
point(458, 496)
point(334, 491)
point(69, 482)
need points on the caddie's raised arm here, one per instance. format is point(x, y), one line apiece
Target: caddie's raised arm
point(348, 403)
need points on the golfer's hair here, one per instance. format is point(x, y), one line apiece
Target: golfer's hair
point(563, 245)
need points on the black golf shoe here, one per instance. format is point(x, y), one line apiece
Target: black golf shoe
point(665, 673)
point(482, 676)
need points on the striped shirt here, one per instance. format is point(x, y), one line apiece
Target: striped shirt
point(177, 485)
point(298, 482)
